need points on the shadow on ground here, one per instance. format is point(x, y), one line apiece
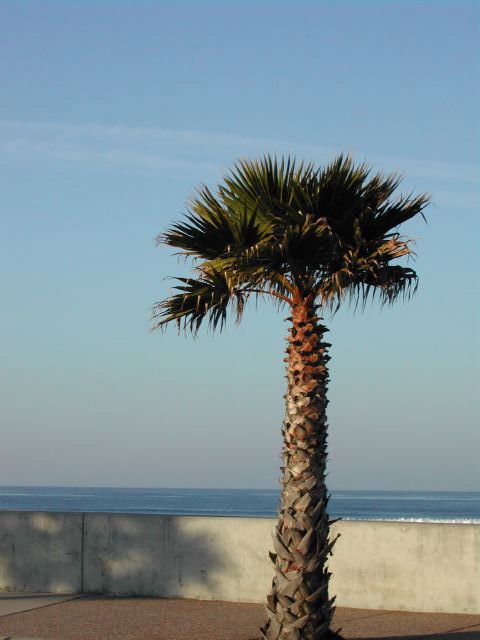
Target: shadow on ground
point(444, 635)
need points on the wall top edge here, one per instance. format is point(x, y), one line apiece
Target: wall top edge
point(342, 522)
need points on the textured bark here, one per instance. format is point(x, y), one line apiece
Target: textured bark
point(298, 606)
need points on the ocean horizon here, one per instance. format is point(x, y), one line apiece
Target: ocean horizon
point(406, 506)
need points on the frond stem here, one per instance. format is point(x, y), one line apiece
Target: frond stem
point(284, 282)
point(271, 293)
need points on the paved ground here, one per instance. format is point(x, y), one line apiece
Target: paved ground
point(17, 602)
point(104, 618)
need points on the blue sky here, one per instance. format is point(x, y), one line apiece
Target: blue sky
point(111, 114)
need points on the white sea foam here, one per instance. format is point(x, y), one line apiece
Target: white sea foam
point(409, 498)
point(431, 520)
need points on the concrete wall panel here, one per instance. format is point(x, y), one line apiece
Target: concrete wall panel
point(40, 552)
point(183, 556)
point(414, 566)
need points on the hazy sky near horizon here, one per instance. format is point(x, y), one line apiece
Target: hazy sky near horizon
point(111, 113)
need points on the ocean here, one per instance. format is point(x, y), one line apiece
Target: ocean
point(414, 506)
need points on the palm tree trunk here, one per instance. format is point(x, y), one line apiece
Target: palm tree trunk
point(298, 606)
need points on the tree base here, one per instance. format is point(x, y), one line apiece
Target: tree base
point(329, 634)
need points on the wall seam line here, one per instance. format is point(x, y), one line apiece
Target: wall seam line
point(82, 556)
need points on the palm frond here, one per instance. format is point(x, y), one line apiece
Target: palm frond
point(391, 215)
point(206, 298)
point(389, 283)
point(212, 230)
point(270, 185)
point(216, 289)
point(367, 264)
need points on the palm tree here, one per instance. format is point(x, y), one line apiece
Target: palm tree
point(309, 238)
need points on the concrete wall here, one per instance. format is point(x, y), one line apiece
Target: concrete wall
point(379, 565)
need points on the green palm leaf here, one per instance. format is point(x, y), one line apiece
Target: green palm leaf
point(207, 297)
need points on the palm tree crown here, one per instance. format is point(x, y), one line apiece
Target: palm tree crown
point(291, 230)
